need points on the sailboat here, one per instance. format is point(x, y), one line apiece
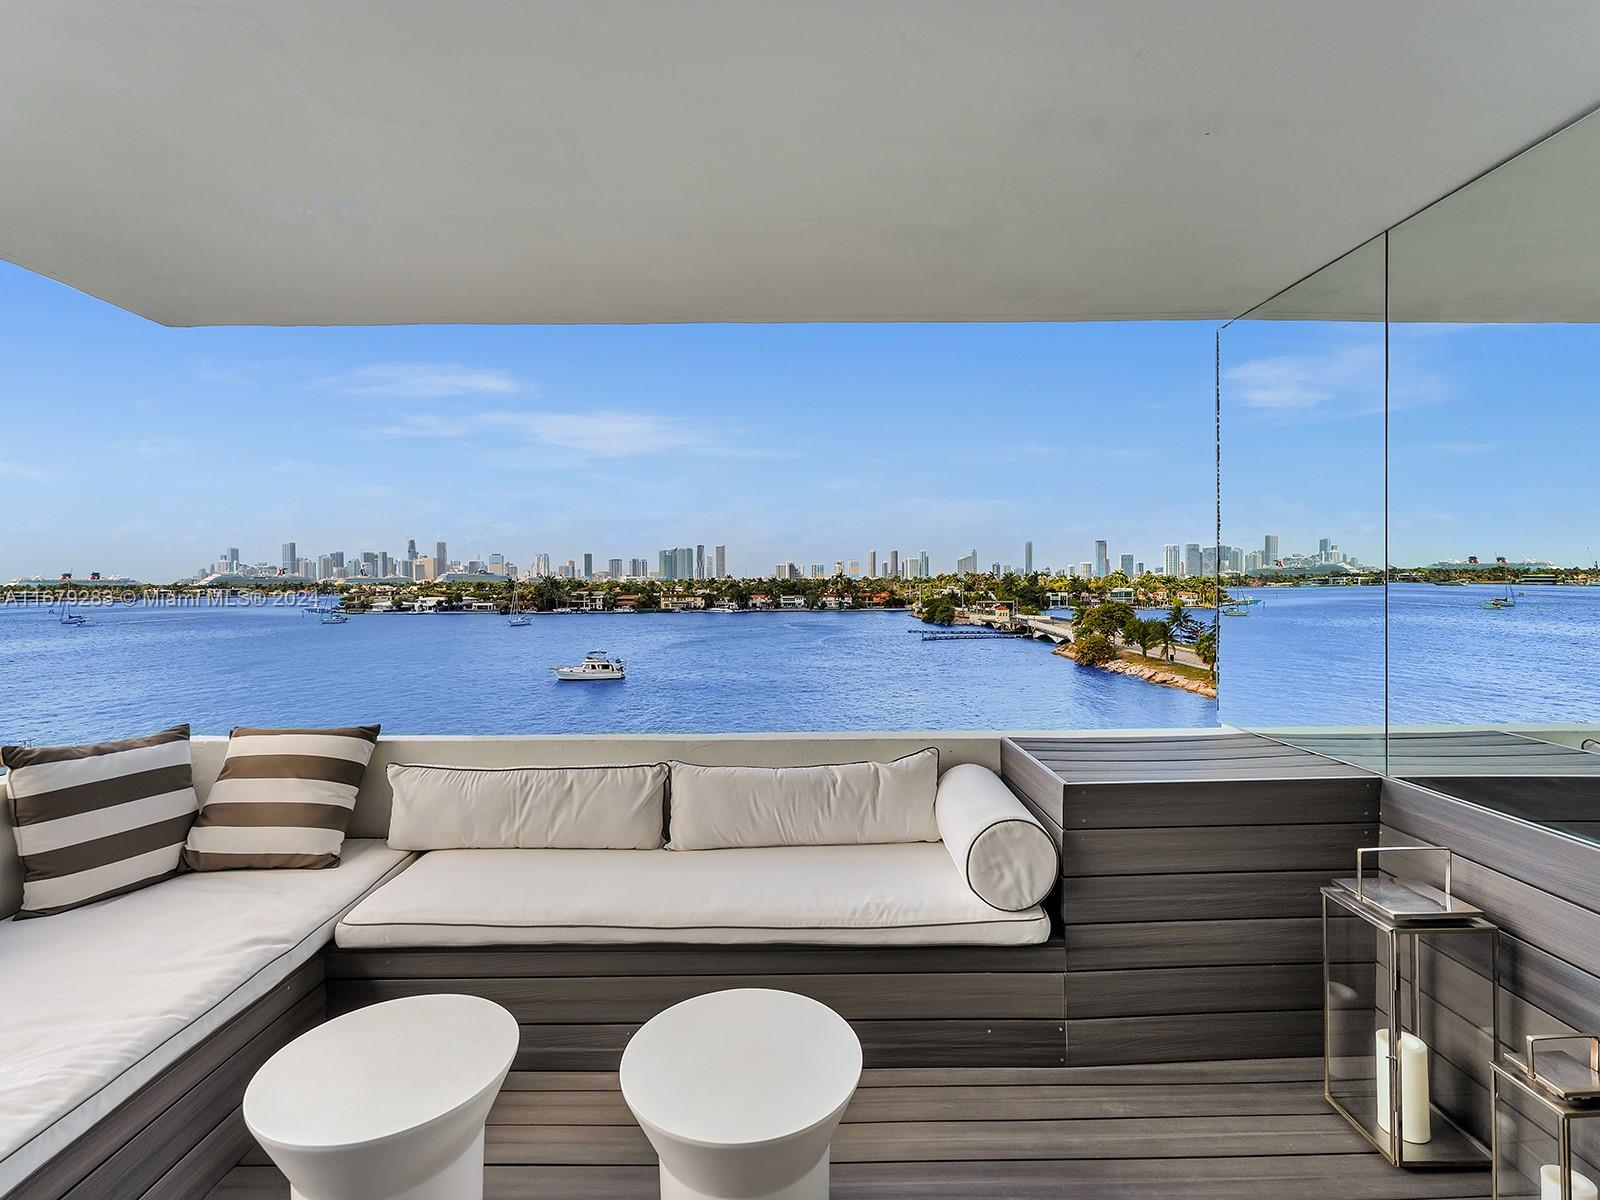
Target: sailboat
point(1500, 602)
point(518, 619)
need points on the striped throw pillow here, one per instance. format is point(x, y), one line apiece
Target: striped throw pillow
point(97, 821)
point(283, 799)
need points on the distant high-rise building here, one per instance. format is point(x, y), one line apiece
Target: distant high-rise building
point(1138, 568)
point(541, 565)
point(1192, 560)
point(872, 564)
point(684, 562)
point(1102, 560)
point(1270, 549)
point(699, 561)
point(922, 564)
point(411, 549)
point(894, 564)
point(385, 567)
point(232, 558)
point(1208, 561)
point(967, 564)
point(1085, 570)
point(588, 566)
point(1125, 565)
point(1171, 564)
point(854, 568)
point(722, 562)
point(424, 569)
point(1027, 558)
point(666, 564)
point(288, 558)
point(441, 559)
point(614, 568)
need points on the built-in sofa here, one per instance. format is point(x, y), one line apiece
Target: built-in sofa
point(135, 1023)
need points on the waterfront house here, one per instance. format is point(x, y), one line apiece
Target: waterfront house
point(1079, 963)
point(795, 600)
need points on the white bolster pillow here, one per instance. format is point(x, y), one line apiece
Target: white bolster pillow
point(1004, 854)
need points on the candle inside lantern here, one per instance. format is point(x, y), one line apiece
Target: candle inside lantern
point(1583, 1187)
point(1414, 1117)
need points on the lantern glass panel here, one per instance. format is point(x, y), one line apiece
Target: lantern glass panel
point(1358, 1001)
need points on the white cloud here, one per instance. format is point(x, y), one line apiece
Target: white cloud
point(22, 472)
point(422, 381)
point(601, 433)
point(1302, 383)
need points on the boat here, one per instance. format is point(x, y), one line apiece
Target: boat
point(723, 608)
point(1229, 610)
point(518, 619)
point(332, 616)
point(68, 617)
point(1500, 602)
point(595, 667)
point(560, 610)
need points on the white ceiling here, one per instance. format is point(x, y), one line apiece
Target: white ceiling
point(381, 161)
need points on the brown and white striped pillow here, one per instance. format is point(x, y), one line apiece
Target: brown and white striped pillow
point(97, 821)
point(283, 799)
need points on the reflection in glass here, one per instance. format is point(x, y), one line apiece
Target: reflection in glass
point(1494, 616)
point(1301, 392)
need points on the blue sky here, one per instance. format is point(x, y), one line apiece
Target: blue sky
point(134, 448)
point(1492, 435)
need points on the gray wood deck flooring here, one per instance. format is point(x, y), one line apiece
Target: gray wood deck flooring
point(1210, 1131)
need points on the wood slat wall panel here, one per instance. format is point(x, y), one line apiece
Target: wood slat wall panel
point(555, 962)
point(1252, 803)
point(1012, 995)
point(1322, 847)
point(1218, 895)
point(1190, 877)
point(883, 1044)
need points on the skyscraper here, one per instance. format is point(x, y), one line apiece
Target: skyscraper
point(1027, 558)
point(288, 558)
point(588, 566)
point(722, 562)
point(441, 558)
point(232, 558)
point(922, 564)
point(1270, 551)
point(1102, 560)
point(411, 549)
point(699, 561)
point(1170, 562)
point(1125, 565)
point(541, 565)
point(667, 566)
point(894, 564)
point(872, 564)
point(684, 564)
point(967, 564)
point(1192, 562)
point(614, 568)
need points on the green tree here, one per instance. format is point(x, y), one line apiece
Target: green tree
point(1205, 646)
point(941, 610)
point(1185, 626)
point(1166, 638)
point(1143, 634)
point(1093, 650)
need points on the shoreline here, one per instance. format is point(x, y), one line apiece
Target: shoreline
point(1150, 674)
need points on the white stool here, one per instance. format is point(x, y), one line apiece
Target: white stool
point(387, 1102)
point(740, 1092)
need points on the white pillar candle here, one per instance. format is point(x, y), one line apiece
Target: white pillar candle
point(1414, 1116)
point(1550, 1185)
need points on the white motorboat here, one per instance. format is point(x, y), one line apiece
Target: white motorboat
point(594, 667)
point(723, 608)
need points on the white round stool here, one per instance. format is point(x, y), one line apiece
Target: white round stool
point(740, 1092)
point(387, 1102)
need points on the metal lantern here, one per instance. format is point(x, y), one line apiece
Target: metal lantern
point(1541, 1148)
point(1383, 942)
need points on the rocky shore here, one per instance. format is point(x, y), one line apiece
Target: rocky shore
point(1151, 675)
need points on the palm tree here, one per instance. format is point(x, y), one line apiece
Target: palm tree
point(1166, 637)
point(1206, 647)
point(1142, 634)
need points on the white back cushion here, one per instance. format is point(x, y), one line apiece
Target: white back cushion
point(851, 804)
point(527, 808)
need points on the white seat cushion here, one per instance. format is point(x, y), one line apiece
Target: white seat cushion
point(891, 895)
point(98, 1001)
